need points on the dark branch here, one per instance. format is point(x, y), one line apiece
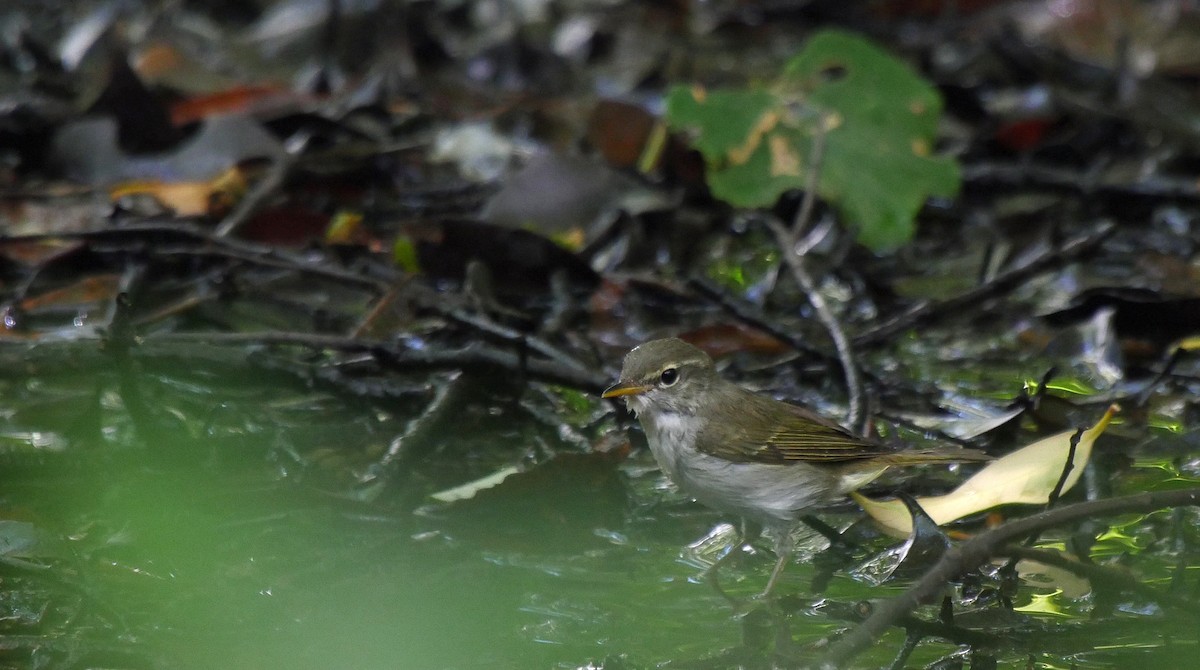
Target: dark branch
point(180, 239)
point(474, 357)
point(972, 553)
point(996, 175)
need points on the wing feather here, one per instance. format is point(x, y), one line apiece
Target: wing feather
point(780, 434)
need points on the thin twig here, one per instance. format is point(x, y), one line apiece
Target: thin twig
point(1068, 466)
point(487, 326)
point(266, 189)
point(277, 260)
point(911, 640)
point(1161, 377)
point(970, 554)
point(841, 343)
point(381, 305)
point(815, 161)
point(786, 239)
point(421, 432)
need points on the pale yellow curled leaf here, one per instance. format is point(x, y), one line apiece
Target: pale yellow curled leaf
point(1026, 476)
point(1045, 604)
point(1188, 343)
point(1069, 584)
point(468, 490)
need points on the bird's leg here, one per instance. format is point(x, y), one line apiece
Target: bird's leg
point(711, 573)
point(783, 549)
point(746, 533)
point(714, 579)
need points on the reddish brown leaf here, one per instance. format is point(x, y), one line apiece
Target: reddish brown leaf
point(240, 100)
point(619, 130)
point(88, 290)
point(723, 339)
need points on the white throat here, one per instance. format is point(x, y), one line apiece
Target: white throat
point(672, 439)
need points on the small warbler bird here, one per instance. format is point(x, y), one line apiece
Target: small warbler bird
point(747, 454)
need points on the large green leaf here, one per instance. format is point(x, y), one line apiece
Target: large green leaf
point(879, 119)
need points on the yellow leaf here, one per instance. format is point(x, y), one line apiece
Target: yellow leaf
point(1026, 476)
point(468, 490)
point(572, 239)
point(739, 155)
point(342, 227)
point(189, 198)
point(1188, 343)
point(404, 254)
point(784, 160)
point(1043, 603)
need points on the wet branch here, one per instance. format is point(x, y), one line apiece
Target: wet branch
point(475, 357)
point(968, 555)
point(180, 239)
point(488, 327)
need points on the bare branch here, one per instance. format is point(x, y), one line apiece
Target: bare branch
point(974, 552)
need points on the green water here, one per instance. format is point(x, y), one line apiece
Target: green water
point(197, 519)
point(215, 517)
point(207, 565)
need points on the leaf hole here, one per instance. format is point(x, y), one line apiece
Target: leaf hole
point(833, 72)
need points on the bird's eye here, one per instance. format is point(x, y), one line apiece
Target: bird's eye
point(669, 376)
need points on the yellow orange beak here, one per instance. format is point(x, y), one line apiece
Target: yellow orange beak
point(623, 388)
